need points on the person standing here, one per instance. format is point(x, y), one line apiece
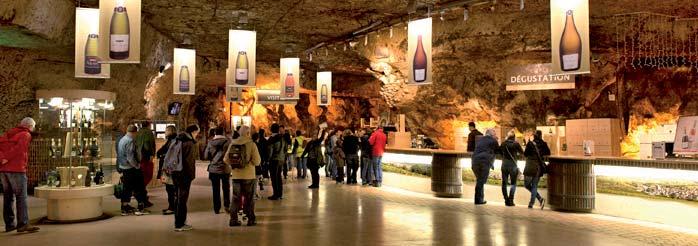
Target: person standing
point(511, 153)
point(182, 179)
point(473, 136)
point(483, 160)
point(313, 154)
point(277, 157)
point(165, 178)
point(535, 167)
point(219, 171)
point(132, 175)
point(244, 179)
point(301, 162)
point(340, 160)
point(145, 147)
point(330, 169)
point(263, 169)
point(290, 156)
point(350, 146)
point(378, 141)
point(365, 157)
point(14, 155)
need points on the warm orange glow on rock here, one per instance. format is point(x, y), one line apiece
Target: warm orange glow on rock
point(639, 126)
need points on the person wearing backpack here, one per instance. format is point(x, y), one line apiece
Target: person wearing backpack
point(535, 167)
point(184, 173)
point(164, 177)
point(219, 171)
point(14, 155)
point(511, 152)
point(277, 158)
point(131, 174)
point(314, 156)
point(243, 157)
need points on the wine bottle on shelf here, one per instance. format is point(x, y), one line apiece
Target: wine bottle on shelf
point(92, 65)
point(323, 94)
point(119, 34)
point(74, 149)
point(570, 45)
point(59, 149)
point(419, 66)
point(289, 85)
point(52, 148)
point(684, 140)
point(184, 79)
point(241, 69)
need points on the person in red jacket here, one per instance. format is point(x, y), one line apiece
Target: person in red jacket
point(14, 154)
point(377, 141)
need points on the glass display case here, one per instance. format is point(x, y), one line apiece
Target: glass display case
point(74, 145)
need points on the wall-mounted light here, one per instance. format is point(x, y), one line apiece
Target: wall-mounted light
point(466, 14)
point(442, 15)
point(164, 67)
point(391, 31)
point(522, 5)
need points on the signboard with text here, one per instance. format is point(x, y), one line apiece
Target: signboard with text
point(537, 77)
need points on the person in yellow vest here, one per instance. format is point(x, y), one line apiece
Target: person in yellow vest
point(298, 151)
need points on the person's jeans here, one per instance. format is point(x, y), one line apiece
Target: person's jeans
point(171, 195)
point(509, 175)
point(531, 184)
point(14, 186)
point(314, 172)
point(218, 179)
point(276, 168)
point(183, 185)
point(243, 198)
point(482, 172)
point(377, 169)
point(133, 186)
point(288, 166)
point(352, 162)
point(365, 173)
point(332, 166)
point(301, 167)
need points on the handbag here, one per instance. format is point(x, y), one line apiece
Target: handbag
point(119, 189)
point(542, 167)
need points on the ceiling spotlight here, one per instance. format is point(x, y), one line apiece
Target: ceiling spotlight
point(366, 40)
point(345, 46)
point(442, 15)
point(522, 5)
point(391, 31)
point(352, 44)
point(310, 56)
point(466, 14)
point(164, 67)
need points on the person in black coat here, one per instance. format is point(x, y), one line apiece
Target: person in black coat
point(536, 150)
point(473, 136)
point(511, 153)
point(483, 160)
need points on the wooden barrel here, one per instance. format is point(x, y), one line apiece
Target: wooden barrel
point(571, 184)
point(446, 174)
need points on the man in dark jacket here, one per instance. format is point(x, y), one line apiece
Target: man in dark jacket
point(366, 149)
point(536, 150)
point(14, 155)
point(277, 157)
point(263, 169)
point(182, 179)
point(350, 145)
point(145, 147)
point(511, 152)
point(171, 135)
point(218, 171)
point(473, 136)
point(483, 160)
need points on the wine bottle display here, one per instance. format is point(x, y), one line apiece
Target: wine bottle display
point(685, 143)
point(323, 94)
point(184, 79)
point(289, 86)
point(570, 45)
point(92, 65)
point(241, 69)
point(119, 34)
point(419, 65)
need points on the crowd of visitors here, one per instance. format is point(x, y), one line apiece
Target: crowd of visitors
point(250, 158)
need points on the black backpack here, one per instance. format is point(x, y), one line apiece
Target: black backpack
point(236, 156)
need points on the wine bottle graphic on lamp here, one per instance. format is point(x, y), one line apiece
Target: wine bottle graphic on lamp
point(119, 34)
point(184, 79)
point(419, 65)
point(570, 45)
point(289, 84)
point(241, 69)
point(92, 65)
point(323, 94)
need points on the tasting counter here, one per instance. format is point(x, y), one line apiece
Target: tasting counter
point(446, 171)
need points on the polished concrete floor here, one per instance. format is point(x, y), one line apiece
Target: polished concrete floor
point(353, 215)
